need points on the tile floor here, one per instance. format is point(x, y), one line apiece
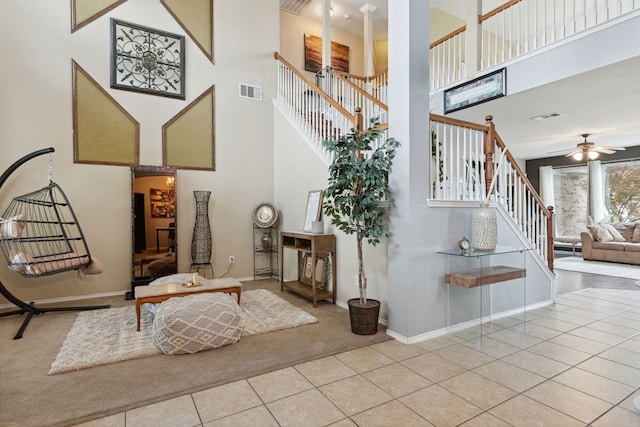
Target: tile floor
point(576, 363)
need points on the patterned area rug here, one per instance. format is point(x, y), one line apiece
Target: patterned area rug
point(575, 263)
point(100, 337)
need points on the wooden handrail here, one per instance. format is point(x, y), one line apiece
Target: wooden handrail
point(497, 10)
point(448, 36)
point(363, 93)
point(456, 122)
point(319, 91)
point(349, 75)
point(357, 77)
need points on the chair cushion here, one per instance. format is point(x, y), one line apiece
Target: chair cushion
point(196, 322)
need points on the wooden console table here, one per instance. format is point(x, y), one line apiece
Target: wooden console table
point(313, 244)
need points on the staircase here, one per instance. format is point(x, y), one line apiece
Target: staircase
point(465, 156)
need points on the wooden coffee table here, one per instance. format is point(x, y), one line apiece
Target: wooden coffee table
point(153, 294)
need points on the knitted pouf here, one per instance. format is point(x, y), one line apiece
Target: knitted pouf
point(196, 322)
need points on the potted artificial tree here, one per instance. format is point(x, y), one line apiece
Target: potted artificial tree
point(358, 182)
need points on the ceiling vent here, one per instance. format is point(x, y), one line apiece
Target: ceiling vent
point(294, 6)
point(250, 92)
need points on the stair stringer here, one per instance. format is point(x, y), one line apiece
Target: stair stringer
point(314, 146)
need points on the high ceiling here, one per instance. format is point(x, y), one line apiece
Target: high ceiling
point(604, 102)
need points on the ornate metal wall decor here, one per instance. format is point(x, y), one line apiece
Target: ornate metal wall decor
point(147, 60)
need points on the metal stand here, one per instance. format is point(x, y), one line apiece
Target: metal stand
point(30, 308)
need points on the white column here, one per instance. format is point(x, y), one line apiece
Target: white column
point(367, 9)
point(473, 38)
point(326, 33)
point(411, 292)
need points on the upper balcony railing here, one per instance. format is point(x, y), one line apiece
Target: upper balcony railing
point(515, 29)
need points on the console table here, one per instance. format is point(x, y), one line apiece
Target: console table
point(470, 276)
point(313, 244)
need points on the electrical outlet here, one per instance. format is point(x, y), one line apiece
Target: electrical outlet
point(232, 259)
point(355, 280)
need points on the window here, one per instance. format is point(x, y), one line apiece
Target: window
point(622, 191)
point(570, 197)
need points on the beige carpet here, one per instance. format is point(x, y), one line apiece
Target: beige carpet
point(107, 336)
point(575, 263)
point(30, 397)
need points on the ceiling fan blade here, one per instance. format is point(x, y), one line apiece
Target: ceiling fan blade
point(603, 150)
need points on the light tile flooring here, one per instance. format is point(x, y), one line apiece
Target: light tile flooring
point(576, 363)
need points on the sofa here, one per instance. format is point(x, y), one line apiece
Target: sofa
point(614, 242)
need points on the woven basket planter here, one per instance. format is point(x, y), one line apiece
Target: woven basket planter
point(364, 318)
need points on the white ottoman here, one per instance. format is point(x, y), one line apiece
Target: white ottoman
point(196, 322)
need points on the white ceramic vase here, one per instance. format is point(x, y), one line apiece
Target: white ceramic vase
point(484, 228)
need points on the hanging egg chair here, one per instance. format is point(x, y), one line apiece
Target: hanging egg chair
point(39, 236)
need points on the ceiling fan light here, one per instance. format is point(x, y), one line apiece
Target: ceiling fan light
point(577, 156)
point(592, 155)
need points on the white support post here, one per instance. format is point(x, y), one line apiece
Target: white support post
point(473, 48)
point(367, 9)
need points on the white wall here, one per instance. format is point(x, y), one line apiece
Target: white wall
point(36, 112)
point(292, 31)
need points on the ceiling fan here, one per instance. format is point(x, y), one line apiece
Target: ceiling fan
point(588, 150)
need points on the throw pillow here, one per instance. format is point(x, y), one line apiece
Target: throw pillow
point(625, 229)
point(615, 235)
point(600, 233)
point(636, 234)
point(11, 228)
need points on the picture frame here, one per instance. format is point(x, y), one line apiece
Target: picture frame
point(322, 266)
point(313, 55)
point(313, 210)
point(481, 89)
point(147, 60)
point(162, 203)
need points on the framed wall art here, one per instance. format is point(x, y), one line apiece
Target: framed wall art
point(474, 92)
point(313, 55)
point(147, 60)
point(314, 209)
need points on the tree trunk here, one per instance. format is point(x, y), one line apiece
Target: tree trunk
point(362, 277)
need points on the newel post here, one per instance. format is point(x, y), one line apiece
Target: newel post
point(489, 150)
point(550, 237)
point(358, 119)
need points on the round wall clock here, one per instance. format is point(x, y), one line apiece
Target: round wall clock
point(265, 215)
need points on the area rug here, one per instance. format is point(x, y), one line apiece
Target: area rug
point(573, 263)
point(100, 337)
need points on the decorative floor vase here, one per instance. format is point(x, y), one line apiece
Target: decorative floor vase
point(484, 228)
point(201, 241)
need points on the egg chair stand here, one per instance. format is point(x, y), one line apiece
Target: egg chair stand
point(40, 236)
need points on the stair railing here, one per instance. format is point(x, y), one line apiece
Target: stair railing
point(316, 114)
point(447, 58)
point(345, 90)
point(464, 159)
point(313, 111)
point(375, 85)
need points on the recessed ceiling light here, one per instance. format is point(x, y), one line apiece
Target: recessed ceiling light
point(544, 116)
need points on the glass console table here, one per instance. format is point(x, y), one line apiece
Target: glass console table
point(486, 290)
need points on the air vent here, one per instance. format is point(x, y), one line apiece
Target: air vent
point(294, 6)
point(250, 92)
